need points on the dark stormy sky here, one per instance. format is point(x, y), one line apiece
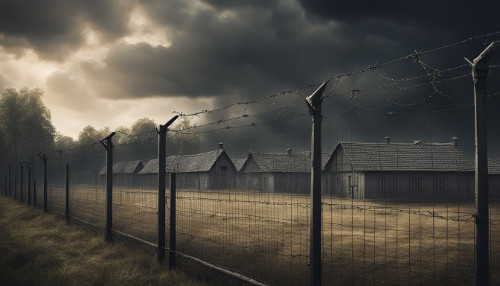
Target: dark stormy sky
point(109, 63)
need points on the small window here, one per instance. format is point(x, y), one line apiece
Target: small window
point(383, 184)
point(416, 184)
point(394, 184)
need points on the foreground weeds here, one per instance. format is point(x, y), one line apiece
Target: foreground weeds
point(40, 249)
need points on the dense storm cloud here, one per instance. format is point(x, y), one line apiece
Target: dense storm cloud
point(215, 53)
point(96, 57)
point(56, 28)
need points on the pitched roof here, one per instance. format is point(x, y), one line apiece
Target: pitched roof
point(405, 156)
point(151, 167)
point(128, 167)
point(494, 164)
point(201, 162)
point(284, 162)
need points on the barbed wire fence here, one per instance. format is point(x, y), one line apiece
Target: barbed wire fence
point(396, 220)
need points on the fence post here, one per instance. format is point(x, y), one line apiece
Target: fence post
point(45, 205)
point(22, 183)
point(314, 102)
point(15, 185)
point(34, 192)
point(162, 157)
point(67, 192)
point(29, 186)
point(108, 145)
point(172, 240)
point(161, 192)
point(480, 78)
point(10, 183)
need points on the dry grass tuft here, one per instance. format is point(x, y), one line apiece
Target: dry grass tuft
point(39, 249)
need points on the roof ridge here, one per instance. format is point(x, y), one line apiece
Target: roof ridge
point(277, 153)
point(198, 154)
point(402, 143)
point(406, 156)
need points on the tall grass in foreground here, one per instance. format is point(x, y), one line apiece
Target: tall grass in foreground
point(39, 249)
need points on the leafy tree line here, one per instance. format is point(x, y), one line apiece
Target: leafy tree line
point(26, 128)
point(138, 142)
point(25, 125)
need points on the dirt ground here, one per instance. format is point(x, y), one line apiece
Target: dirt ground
point(266, 236)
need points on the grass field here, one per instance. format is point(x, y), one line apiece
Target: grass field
point(40, 249)
point(266, 236)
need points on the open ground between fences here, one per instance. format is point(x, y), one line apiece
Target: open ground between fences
point(265, 234)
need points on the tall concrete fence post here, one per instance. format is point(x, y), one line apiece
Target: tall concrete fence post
point(22, 183)
point(45, 203)
point(108, 145)
point(172, 240)
point(34, 193)
point(67, 193)
point(15, 185)
point(162, 157)
point(29, 186)
point(314, 102)
point(480, 70)
point(10, 183)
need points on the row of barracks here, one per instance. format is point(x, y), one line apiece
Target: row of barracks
point(389, 171)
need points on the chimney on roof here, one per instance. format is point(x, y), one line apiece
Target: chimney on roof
point(455, 140)
point(289, 151)
point(221, 145)
point(387, 139)
point(416, 142)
